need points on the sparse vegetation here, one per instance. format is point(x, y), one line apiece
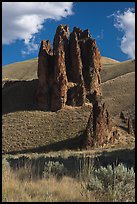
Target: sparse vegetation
point(99, 185)
point(119, 93)
point(58, 175)
point(26, 128)
point(55, 169)
point(37, 130)
point(112, 71)
point(116, 183)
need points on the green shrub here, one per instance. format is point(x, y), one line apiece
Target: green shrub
point(54, 168)
point(118, 183)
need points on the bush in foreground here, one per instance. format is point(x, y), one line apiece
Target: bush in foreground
point(92, 185)
point(113, 183)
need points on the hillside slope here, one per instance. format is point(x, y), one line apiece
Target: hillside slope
point(39, 130)
point(27, 129)
point(21, 70)
point(111, 71)
point(119, 93)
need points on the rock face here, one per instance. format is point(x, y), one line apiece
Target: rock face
point(60, 81)
point(99, 127)
point(69, 74)
point(45, 75)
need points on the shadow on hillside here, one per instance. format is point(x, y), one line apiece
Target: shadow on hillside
point(71, 143)
point(124, 156)
point(19, 96)
point(73, 164)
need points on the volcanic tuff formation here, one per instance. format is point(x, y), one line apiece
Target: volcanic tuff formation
point(69, 73)
point(99, 129)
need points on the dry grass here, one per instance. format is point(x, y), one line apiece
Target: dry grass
point(46, 190)
point(36, 129)
point(21, 70)
point(119, 93)
point(17, 186)
point(111, 71)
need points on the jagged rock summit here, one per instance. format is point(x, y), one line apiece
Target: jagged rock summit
point(68, 73)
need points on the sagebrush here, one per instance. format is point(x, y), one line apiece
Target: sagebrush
point(103, 184)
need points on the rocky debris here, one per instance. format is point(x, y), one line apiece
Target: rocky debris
point(129, 124)
point(99, 129)
point(128, 119)
point(70, 73)
point(122, 116)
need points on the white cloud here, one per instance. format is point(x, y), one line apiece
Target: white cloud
point(31, 47)
point(125, 22)
point(22, 20)
point(101, 35)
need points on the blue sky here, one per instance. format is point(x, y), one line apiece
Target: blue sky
point(24, 26)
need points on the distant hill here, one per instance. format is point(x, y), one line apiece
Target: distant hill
point(107, 60)
point(24, 70)
point(111, 71)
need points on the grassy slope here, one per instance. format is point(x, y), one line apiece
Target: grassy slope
point(110, 71)
point(23, 130)
point(21, 70)
point(32, 129)
point(119, 93)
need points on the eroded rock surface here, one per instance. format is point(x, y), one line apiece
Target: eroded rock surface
point(99, 128)
point(45, 75)
point(69, 74)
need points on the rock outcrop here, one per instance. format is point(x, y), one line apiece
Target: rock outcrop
point(45, 75)
point(69, 74)
point(60, 81)
point(99, 129)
